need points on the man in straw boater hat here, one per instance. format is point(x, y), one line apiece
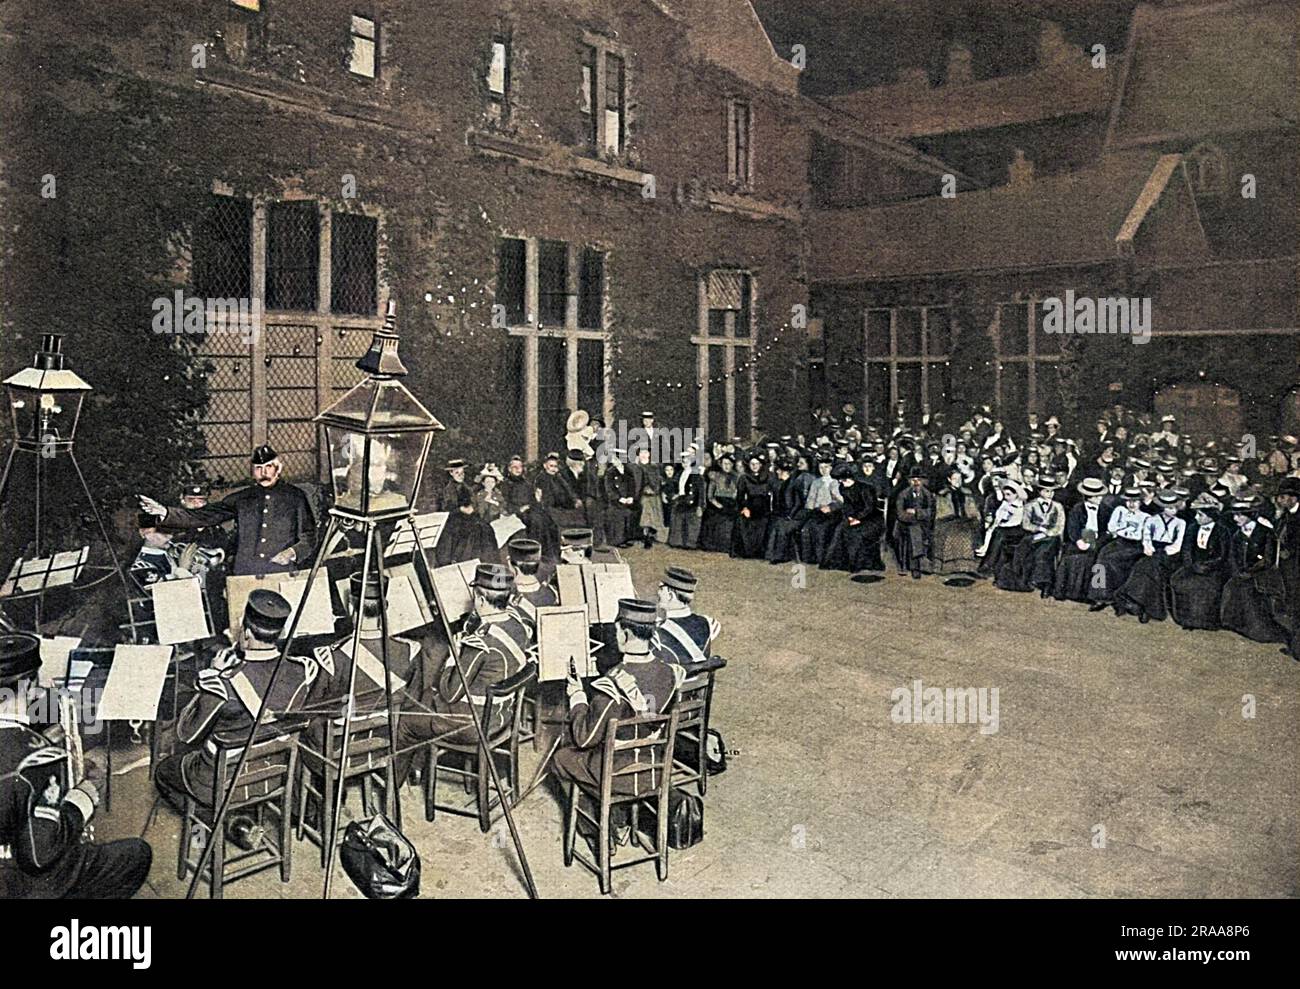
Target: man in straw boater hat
point(684, 636)
point(229, 694)
point(493, 646)
point(43, 813)
point(640, 683)
point(274, 528)
point(1084, 525)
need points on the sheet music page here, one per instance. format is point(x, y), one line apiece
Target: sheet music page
point(561, 635)
point(505, 527)
point(318, 614)
point(403, 606)
point(178, 611)
point(568, 583)
point(612, 585)
point(135, 683)
point(56, 650)
point(451, 591)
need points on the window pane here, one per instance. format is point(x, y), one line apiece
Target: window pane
point(292, 256)
point(363, 47)
point(909, 390)
point(591, 290)
point(878, 393)
point(743, 317)
point(516, 400)
point(1015, 391)
point(613, 103)
point(222, 253)
point(877, 332)
point(744, 428)
point(719, 429)
point(553, 281)
point(353, 264)
point(909, 332)
point(496, 78)
point(717, 322)
point(938, 331)
point(1013, 329)
point(591, 377)
point(510, 279)
point(1044, 342)
point(551, 409)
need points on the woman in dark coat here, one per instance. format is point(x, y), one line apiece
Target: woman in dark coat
point(754, 502)
point(1143, 593)
point(855, 543)
point(466, 536)
point(1196, 590)
point(687, 493)
point(1246, 606)
point(1084, 524)
point(719, 507)
point(789, 511)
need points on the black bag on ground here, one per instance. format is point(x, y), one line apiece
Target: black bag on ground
point(685, 819)
point(715, 752)
point(380, 860)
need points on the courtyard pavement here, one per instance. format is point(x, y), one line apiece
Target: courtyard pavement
point(1122, 764)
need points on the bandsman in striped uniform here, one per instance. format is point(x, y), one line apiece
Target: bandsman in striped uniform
point(683, 636)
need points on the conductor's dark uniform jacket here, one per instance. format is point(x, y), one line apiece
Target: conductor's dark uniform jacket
point(267, 522)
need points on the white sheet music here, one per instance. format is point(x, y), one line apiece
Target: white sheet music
point(318, 613)
point(135, 683)
point(56, 651)
point(178, 611)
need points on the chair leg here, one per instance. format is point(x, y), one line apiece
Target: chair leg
point(217, 879)
point(431, 783)
point(661, 838)
point(481, 780)
point(286, 835)
point(636, 823)
point(302, 800)
point(328, 794)
point(183, 852)
point(703, 766)
point(603, 855)
point(570, 824)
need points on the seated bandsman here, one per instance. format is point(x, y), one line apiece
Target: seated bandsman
point(334, 662)
point(230, 693)
point(640, 683)
point(493, 646)
point(158, 557)
point(42, 817)
point(684, 637)
point(531, 594)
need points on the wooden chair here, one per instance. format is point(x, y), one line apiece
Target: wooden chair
point(266, 783)
point(694, 704)
point(643, 748)
point(506, 695)
point(320, 760)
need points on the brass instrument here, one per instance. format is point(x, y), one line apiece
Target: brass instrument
point(75, 750)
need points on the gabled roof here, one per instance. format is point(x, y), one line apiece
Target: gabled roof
point(1074, 218)
point(729, 33)
point(1203, 69)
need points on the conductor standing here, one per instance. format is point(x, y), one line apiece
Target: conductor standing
point(274, 528)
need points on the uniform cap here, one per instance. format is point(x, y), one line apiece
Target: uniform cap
point(264, 454)
point(20, 655)
point(493, 577)
point(680, 579)
point(266, 614)
point(635, 611)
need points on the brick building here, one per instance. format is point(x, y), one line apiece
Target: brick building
point(578, 204)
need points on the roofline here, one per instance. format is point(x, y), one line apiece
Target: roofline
point(758, 21)
point(1121, 84)
point(888, 146)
